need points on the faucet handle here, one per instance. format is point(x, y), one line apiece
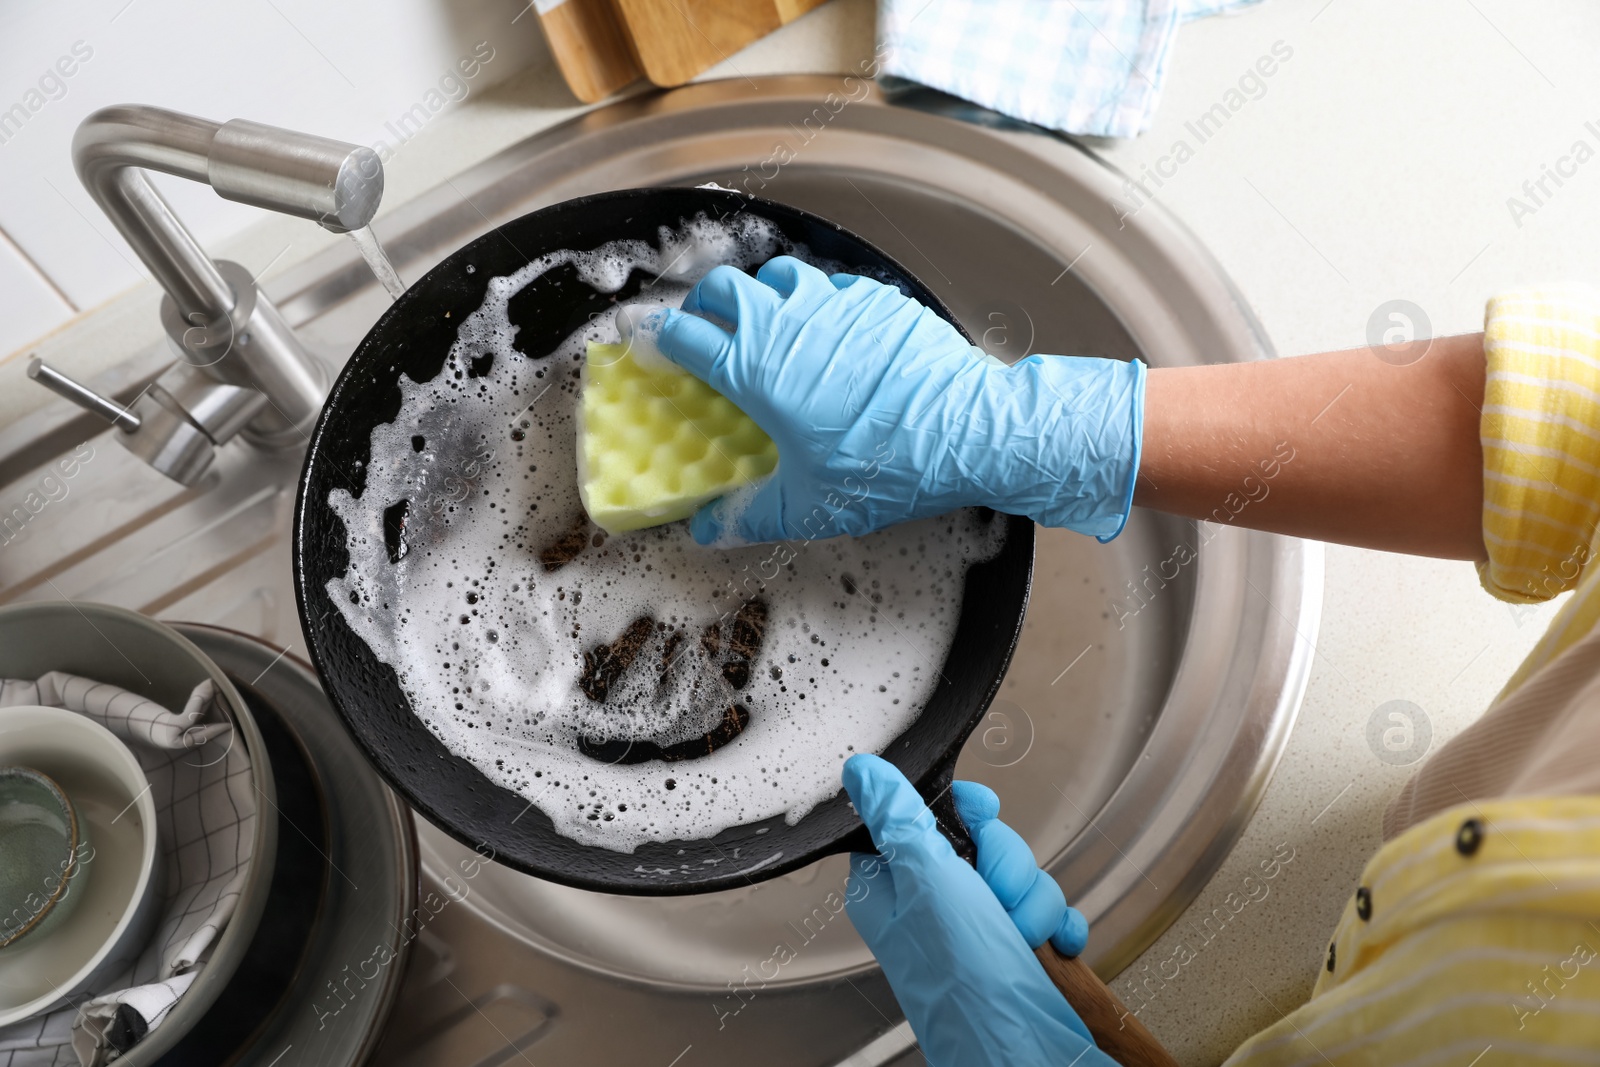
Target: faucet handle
point(121, 417)
point(154, 427)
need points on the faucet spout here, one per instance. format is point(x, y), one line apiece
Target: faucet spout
point(336, 184)
point(241, 369)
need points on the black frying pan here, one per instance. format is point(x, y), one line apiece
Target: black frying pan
point(414, 337)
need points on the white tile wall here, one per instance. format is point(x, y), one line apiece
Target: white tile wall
point(351, 69)
point(29, 305)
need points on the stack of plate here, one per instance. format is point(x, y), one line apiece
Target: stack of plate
point(318, 936)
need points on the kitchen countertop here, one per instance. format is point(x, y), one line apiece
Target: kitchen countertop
point(1374, 164)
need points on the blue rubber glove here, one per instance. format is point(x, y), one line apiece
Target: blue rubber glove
point(956, 943)
point(883, 413)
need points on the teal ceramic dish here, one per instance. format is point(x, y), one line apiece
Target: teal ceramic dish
point(42, 844)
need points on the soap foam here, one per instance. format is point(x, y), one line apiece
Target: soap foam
point(642, 337)
point(489, 645)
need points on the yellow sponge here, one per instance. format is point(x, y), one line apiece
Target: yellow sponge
point(655, 442)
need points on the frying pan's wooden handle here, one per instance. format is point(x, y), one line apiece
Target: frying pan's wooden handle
point(1117, 1031)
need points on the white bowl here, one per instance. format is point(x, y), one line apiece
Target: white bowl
point(122, 898)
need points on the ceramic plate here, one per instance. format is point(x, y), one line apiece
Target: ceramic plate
point(348, 976)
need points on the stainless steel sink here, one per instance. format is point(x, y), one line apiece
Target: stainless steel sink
point(1140, 722)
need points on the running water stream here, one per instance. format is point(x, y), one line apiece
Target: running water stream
point(373, 253)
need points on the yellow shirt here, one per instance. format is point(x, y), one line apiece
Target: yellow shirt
point(1474, 936)
point(1541, 459)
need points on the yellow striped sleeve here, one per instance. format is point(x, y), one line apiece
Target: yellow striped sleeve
point(1473, 934)
point(1541, 459)
point(1541, 441)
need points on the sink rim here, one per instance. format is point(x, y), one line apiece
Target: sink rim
point(1243, 732)
point(1150, 855)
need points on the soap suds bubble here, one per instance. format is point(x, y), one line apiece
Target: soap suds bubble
point(642, 336)
point(564, 663)
point(730, 509)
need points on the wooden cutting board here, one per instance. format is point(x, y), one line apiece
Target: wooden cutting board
point(591, 47)
point(602, 45)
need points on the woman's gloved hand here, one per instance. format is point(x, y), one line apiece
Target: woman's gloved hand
point(956, 943)
point(883, 413)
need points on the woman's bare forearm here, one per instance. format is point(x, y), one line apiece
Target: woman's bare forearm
point(1340, 446)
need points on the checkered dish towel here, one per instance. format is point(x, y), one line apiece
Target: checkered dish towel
point(204, 795)
point(1092, 67)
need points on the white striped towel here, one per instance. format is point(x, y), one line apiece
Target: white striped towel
point(1091, 67)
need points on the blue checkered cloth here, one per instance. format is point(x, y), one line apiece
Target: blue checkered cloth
point(1091, 67)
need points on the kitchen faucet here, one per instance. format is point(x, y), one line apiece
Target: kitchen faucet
point(239, 368)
